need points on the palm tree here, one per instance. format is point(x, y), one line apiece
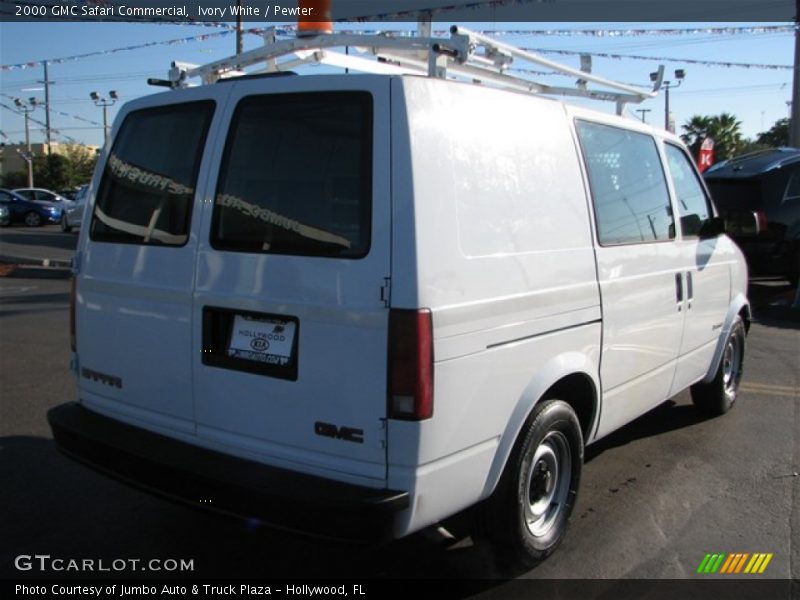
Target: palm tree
point(724, 129)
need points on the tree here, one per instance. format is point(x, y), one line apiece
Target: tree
point(51, 171)
point(724, 129)
point(81, 161)
point(15, 179)
point(777, 135)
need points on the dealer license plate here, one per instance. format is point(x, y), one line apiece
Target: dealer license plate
point(268, 341)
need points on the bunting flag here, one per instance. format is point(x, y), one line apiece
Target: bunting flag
point(64, 59)
point(692, 61)
point(289, 30)
point(59, 112)
point(53, 130)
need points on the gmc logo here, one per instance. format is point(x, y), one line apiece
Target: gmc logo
point(348, 434)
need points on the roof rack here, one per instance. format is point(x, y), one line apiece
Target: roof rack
point(465, 54)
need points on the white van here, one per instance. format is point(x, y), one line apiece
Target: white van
point(355, 305)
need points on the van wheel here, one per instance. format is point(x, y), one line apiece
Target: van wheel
point(527, 516)
point(719, 395)
point(32, 219)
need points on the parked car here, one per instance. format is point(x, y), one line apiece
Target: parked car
point(5, 215)
point(72, 216)
point(360, 305)
point(32, 214)
point(759, 196)
point(43, 195)
point(69, 194)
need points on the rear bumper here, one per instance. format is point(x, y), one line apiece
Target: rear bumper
point(223, 483)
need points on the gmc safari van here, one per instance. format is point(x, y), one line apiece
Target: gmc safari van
point(355, 305)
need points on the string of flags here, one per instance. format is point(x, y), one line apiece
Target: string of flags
point(604, 32)
point(76, 57)
point(53, 130)
point(692, 61)
point(289, 30)
point(63, 114)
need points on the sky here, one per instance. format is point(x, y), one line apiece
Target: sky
point(756, 96)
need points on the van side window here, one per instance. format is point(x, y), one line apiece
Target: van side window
point(629, 190)
point(148, 184)
point(691, 198)
point(296, 176)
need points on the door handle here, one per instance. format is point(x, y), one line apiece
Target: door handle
point(679, 290)
point(689, 290)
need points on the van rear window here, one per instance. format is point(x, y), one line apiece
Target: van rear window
point(296, 177)
point(148, 185)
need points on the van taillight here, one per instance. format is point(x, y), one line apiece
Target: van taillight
point(410, 364)
point(72, 287)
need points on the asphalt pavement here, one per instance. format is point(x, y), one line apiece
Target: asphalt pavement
point(45, 246)
point(656, 496)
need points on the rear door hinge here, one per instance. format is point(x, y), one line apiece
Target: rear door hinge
point(386, 291)
point(76, 262)
point(382, 434)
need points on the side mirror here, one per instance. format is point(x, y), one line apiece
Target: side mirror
point(711, 228)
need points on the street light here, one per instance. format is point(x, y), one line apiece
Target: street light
point(679, 75)
point(26, 108)
point(105, 103)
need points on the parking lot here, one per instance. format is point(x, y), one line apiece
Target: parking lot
point(656, 496)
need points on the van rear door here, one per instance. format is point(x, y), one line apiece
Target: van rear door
point(291, 270)
point(136, 263)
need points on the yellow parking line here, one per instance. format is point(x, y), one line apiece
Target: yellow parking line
point(770, 390)
point(769, 386)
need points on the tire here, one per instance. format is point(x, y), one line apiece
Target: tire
point(64, 224)
point(33, 219)
point(719, 395)
point(527, 516)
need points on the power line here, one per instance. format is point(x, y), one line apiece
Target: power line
point(44, 125)
point(694, 61)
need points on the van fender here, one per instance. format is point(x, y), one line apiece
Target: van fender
point(738, 303)
point(556, 369)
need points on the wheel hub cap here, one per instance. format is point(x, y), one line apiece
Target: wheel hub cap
point(547, 483)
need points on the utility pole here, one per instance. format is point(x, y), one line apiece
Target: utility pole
point(794, 121)
point(104, 103)
point(26, 109)
point(47, 83)
point(679, 75)
point(239, 45)
point(643, 112)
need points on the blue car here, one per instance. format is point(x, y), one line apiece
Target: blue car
point(32, 214)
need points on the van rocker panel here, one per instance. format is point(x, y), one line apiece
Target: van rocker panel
point(202, 477)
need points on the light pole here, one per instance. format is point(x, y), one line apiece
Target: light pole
point(105, 103)
point(679, 75)
point(643, 112)
point(26, 108)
